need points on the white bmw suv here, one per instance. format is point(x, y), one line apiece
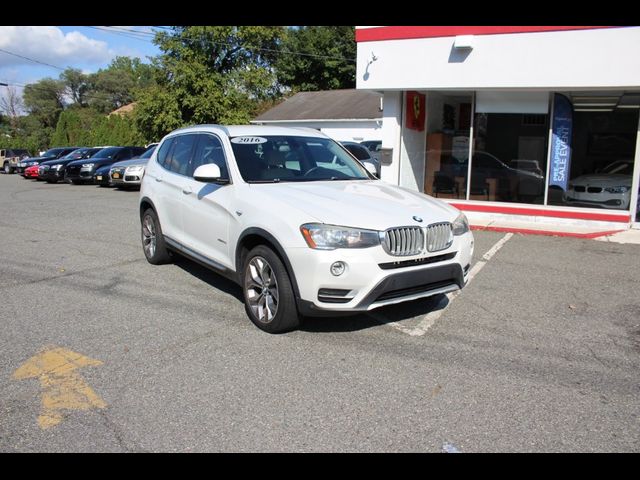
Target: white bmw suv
point(297, 222)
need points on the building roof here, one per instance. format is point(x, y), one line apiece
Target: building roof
point(325, 105)
point(125, 109)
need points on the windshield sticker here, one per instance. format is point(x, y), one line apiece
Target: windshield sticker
point(248, 140)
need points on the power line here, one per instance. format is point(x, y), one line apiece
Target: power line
point(31, 59)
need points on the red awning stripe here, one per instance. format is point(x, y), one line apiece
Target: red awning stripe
point(406, 32)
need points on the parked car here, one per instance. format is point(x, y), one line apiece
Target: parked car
point(287, 214)
point(363, 154)
point(51, 154)
point(609, 188)
point(31, 172)
point(129, 173)
point(511, 184)
point(372, 145)
point(10, 157)
point(83, 171)
point(101, 176)
point(53, 170)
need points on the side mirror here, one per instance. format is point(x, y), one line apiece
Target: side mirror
point(371, 168)
point(209, 173)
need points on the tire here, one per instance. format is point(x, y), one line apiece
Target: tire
point(76, 182)
point(153, 244)
point(272, 309)
point(7, 168)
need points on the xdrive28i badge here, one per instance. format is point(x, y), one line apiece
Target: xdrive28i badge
point(417, 218)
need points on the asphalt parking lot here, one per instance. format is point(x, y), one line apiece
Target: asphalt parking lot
point(540, 352)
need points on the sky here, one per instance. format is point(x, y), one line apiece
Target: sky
point(86, 48)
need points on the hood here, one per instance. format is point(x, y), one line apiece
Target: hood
point(128, 163)
point(603, 180)
point(95, 160)
point(34, 160)
point(369, 204)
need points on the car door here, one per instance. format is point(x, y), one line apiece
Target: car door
point(207, 208)
point(169, 182)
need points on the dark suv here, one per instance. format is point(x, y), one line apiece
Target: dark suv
point(53, 170)
point(51, 154)
point(81, 171)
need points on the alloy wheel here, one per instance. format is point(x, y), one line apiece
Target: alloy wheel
point(261, 289)
point(149, 236)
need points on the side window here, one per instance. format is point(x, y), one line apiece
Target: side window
point(209, 150)
point(164, 150)
point(178, 160)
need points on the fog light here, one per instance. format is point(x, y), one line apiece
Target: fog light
point(338, 268)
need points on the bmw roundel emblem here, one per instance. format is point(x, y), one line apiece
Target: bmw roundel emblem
point(417, 218)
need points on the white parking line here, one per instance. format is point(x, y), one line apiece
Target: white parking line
point(427, 322)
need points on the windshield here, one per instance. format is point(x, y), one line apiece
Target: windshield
point(52, 152)
point(107, 152)
point(148, 153)
point(622, 168)
point(271, 158)
point(76, 154)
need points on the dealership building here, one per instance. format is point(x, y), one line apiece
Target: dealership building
point(527, 123)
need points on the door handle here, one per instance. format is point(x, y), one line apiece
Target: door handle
point(158, 179)
point(187, 190)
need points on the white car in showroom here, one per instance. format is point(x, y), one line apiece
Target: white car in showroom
point(297, 222)
point(608, 188)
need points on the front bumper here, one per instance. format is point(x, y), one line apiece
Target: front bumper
point(618, 201)
point(53, 175)
point(374, 278)
point(76, 173)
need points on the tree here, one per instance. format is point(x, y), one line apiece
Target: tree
point(12, 106)
point(209, 74)
point(117, 85)
point(77, 84)
point(44, 100)
point(317, 58)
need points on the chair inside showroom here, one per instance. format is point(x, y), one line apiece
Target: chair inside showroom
point(479, 185)
point(443, 183)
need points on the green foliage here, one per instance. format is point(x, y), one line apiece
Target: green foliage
point(84, 127)
point(209, 74)
point(44, 100)
point(117, 85)
point(329, 63)
point(75, 128)
point(77, 84)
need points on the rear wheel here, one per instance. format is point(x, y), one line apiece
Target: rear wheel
point(153, 244)
point(7, 168)
point(268, 294)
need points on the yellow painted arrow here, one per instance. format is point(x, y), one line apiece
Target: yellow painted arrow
point(62, 387)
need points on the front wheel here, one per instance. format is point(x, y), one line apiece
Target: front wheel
point(153, 245)
point(268, 295)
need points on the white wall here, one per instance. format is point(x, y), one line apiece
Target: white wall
point(547, 60)
point(391, 123)
point(357, 131)
point(412, 157)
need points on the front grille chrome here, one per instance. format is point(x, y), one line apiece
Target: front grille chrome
point(439, 236)
point(407, 241)
point(404, 241)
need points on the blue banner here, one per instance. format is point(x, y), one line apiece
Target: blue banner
point(561, 127)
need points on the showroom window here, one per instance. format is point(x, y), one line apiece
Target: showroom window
point(448, 132)
point(510, 135)
point(602, 149)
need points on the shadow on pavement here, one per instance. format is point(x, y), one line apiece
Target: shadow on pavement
point(401, 312)
point(215, 280)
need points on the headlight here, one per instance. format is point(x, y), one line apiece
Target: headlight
point(330, 237)
point(460, 225)
point(620, 189)
point(135, 169)
point(88, 165)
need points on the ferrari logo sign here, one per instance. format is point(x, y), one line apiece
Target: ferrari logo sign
point(415, 116)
